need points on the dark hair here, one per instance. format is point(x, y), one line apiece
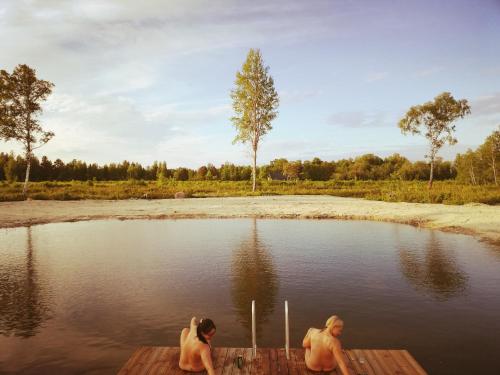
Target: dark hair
point(205, 326)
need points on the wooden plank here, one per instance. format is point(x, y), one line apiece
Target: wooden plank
point(133, 358)
point(172, 367)
point(171, 362)
point(165, 360)
point(348, 361)
point(247, 361)
point(260, 364)
point(387, 362)
point(219, 358)
point(402, 362)
point(228, 362)
point(235, 369)
point(273, 356)
point(282, 362)
point(377, 362)
point(364, 363)
point(246, 354)
point(354, 362)
point(161, 361)
point(137, 360)
point(155, 353)
point(293, 366)
point(394, 363)
point(414, 363)
point(294, 363)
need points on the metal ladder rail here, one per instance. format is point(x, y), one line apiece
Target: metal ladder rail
point(254, 336)
point(287, 331)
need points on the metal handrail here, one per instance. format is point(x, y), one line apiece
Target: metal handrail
point(287, 332)
point(254, 338)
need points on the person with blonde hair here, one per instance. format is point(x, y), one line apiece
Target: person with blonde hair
point(323, 347)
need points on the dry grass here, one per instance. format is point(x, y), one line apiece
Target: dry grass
point(447, 192)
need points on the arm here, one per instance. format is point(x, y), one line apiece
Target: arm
point(206, 359)
point(193, 324)
point(339, 356)
point(306, 343)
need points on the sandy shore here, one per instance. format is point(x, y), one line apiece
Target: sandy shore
point(475, 219)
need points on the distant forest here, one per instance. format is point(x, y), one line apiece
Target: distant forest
point(474, 167)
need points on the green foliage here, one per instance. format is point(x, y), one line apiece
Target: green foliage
point(481, 165)
point(21, 94)
point(181, 174)
point(10, 170)
point(255, 103)
point(160, 171)
point(365, 167)
point(437, 118)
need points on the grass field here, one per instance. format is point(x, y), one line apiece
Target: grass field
point(447, 192)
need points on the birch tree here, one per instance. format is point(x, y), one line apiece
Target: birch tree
point(489, 151)
point(436, 118)
point(255, 103)
point(21, 94)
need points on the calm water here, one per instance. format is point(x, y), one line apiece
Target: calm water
point(80, 297)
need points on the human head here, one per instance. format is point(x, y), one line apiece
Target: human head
point(335, 325)
point(205, 330)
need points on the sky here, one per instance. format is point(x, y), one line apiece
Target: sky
point(151, 80)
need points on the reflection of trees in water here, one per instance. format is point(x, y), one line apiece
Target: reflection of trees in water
point(253, 278)
point(22, 304)
point(433, 270)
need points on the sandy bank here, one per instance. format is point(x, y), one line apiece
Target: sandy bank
point(475, 219)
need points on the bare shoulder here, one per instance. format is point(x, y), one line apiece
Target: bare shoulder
point(334, 343)
point(202, 348)
point(313, 331)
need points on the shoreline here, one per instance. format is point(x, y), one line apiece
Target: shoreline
point(479, 220)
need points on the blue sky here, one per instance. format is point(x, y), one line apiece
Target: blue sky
point(151, 81)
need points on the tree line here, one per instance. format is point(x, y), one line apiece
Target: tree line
point(365, 167)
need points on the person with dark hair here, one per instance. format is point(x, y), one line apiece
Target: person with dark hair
point(196, 346)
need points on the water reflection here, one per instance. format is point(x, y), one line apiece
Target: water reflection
point(433, 270)
point(253, 278)
point(23, 306)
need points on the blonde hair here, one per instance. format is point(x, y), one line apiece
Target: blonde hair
point(333, 321)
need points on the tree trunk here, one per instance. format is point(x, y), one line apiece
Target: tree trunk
point(254, 168)
point(28, 161)
point(494, 168)
point(431, 177)
point(472, 175)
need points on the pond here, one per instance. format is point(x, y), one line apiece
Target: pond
point(80, 297)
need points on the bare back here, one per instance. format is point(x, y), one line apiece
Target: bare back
point(320, 350)
point(195, 355)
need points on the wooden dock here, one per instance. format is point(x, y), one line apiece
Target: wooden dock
point(149, 360)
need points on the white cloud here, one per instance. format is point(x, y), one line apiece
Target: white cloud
point(486, 105)
point(109, 128)
point(174, 114)
point(127, 78)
